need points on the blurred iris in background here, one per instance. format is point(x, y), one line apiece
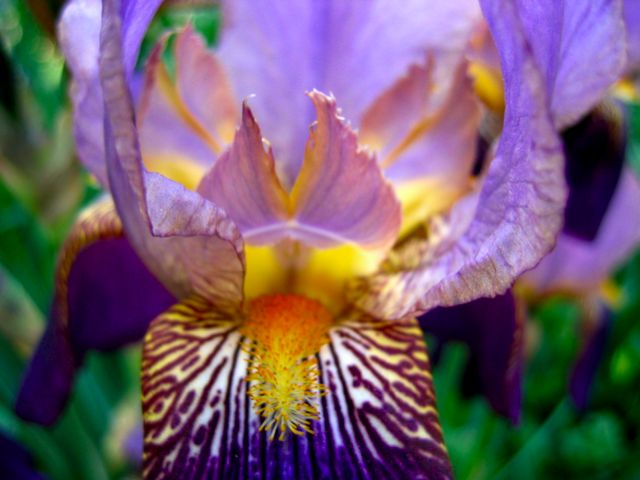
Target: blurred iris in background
point(280, 200)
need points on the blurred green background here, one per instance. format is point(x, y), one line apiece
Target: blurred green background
point(42, 188)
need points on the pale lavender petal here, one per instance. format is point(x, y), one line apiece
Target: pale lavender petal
point(632, 24)
point(580, 48)
point(165, 135)
point(79, 36)
point(186, 241)
point(378, 417)
point(421, 142)
point(520, 208)
point(340, 194)
point(243, 182)
point(579, 266)
point(278, 50)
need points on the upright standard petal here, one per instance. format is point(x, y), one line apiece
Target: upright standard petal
point(580, 48)
point(244, 182)
point(520, 207)
point(190, 120)
point(79, 35)
point(632, 24)
point(104, 298)
point(188, 243)
point(277, 50)
point(492, 328)
point(376, 420)
point(341, 194)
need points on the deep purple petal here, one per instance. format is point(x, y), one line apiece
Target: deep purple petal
point(377, 419)
point(492, 328)
point(519, 210)
point(15, 462)
point(595, 152)
point(278, 50)
point(105, 298)
point(592, 351)
point(580, 48)
point(188, 243)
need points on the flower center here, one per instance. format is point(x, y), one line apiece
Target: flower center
point(285, 332)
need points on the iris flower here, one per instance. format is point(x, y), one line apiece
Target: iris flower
point(281, 209)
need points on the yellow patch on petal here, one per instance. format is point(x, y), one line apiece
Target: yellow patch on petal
point(285, 333)
point(488, 85)
point(180, 169)
point(423, 198)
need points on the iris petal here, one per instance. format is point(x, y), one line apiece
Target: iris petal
point(105, 298)
point(377, 420)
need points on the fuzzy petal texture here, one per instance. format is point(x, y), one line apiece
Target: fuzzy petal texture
point(105, 298)
point(79, 36)
point(520, 207)
point(492, 328)
point(377, 419)
point(188, 243)
point(576, 266)
point(277, 50)
point(580, 48)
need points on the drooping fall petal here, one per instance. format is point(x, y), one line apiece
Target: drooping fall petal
point(376, 419)
point(492, 328)
point(105, 298)
point(520, 207)
point(15, 461)
point(188, 243)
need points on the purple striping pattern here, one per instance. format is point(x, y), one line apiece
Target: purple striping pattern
point(378, 420)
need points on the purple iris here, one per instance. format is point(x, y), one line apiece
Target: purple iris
point(297, 237)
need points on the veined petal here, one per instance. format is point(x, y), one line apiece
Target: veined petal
point(340, 194)
point(492, 328)
point(378, 419)
point(244, 182)
point(79, 35)
point(104, 298)
point(188, 243)
point(580, 48)
point(427, 150)
point(576, 266)
point(191, 119)
point(276, 50)
point(520, 208)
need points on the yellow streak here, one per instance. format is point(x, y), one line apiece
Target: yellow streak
point(488, 85)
